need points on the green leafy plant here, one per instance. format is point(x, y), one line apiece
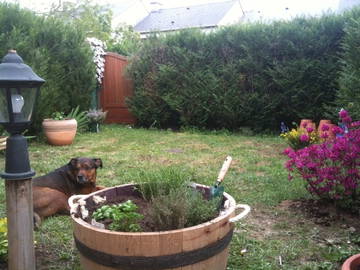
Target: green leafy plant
point(123, 216)
point(58, 116)
point(174, 204)
point(75, 113)
point(181, 208)
point(80, 117)
point(3, 239)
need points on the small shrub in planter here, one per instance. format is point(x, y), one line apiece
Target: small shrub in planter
point(331, 169)
point(169, 207)
point(166, 203)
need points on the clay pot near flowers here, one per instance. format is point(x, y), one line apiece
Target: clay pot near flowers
point(325, 130)
point(352, 263)
point(306, 123)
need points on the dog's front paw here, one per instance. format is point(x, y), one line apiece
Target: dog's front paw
point(37, 221)
point(100, 187)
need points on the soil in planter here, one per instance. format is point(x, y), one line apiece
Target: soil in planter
point(144, 207)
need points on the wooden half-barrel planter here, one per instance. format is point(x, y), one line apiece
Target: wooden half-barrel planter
point(204, 246)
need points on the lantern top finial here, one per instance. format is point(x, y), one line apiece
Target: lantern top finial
point(12, 57)
point(14, 71)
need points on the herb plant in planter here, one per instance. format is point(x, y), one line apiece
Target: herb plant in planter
point(122, 217)
point(181, 228)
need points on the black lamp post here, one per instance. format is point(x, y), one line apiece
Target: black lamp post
point(19, 88)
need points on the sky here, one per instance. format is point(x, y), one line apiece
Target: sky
point(266, 8)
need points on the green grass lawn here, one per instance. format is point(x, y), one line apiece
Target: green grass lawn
point(278, 234)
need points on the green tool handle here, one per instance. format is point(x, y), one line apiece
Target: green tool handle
point(223, 170)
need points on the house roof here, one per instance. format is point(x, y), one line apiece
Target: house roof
point(200, 16)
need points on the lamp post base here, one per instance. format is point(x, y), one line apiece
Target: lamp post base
point(19, 211)
point(19, 204)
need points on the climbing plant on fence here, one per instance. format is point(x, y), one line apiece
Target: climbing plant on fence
point(254, 75)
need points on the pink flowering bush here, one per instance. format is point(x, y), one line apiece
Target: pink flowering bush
point(331, 169)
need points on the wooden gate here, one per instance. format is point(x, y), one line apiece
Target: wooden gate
point(115, 89)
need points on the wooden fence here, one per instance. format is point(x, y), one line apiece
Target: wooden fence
point(115, 89)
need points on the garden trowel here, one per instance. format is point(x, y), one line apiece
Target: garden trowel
point(218, 190)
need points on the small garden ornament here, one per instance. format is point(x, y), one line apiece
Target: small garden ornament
point(95, 118)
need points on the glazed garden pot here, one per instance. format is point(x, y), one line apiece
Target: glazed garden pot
point(204, 246)
point(352, 263)
point(59, 132)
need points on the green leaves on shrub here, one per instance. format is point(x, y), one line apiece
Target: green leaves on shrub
point(247, 75)
point(56, 52)
point(80, 117)
point(349, 94)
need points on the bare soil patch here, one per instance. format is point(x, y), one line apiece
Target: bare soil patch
point(322, 212)
point(280, 220)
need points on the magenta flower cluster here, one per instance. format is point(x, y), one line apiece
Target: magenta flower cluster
point(331, 169)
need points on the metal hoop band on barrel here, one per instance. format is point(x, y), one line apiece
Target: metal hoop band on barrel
point(156, 262)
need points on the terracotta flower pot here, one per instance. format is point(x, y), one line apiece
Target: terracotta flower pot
point(352, 263)
point(204, 246)
point(326, 129)
point(307, 123)
point(60, 132)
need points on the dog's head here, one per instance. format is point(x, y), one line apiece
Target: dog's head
point(84, 169)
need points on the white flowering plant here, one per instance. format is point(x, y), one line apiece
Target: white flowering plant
point(98, 47)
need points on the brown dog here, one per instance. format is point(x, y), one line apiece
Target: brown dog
point(52, 191)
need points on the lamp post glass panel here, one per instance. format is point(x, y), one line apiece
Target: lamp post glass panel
point(19, 88)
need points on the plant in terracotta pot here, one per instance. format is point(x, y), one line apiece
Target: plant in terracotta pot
point(95, 118)
point(169, 224)
point(61, 128)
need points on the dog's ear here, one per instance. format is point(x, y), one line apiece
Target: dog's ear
point(73, 162)
point(98, 162)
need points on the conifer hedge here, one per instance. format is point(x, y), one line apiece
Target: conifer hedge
point(56, 52)
point(349, 94)
point(253, 75)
